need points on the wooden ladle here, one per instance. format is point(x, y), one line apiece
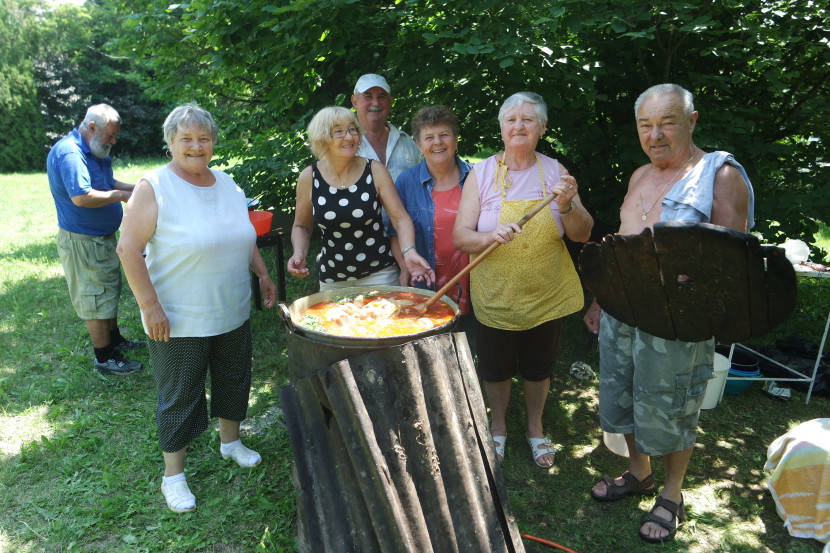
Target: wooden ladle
point(444, 289)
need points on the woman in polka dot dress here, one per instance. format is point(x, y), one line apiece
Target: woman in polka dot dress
point(194, 293)
point(342, 195)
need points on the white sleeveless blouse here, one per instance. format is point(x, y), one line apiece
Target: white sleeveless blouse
point(200, 253)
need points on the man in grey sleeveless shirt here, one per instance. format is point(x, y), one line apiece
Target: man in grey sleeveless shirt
point(651, 389)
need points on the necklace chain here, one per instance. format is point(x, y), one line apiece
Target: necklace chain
point(660, 195)
point(342, 185)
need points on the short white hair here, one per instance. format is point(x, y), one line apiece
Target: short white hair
point(189, 114)
point(100, 114)
point(666, 89)
point(520, 98)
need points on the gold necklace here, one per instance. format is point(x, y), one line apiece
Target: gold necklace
point(342, 185)
point(660, 195)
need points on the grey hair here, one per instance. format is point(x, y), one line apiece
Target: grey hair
point(531, 98)
point(100, 114)
point(319, 129)
point(666, 89)
point(189, 114)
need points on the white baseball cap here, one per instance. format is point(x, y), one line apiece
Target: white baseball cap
point(371, 80)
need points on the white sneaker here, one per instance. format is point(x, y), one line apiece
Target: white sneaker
point(582, 371)
point(243, 456)
point(776, 391)
point(179, 497)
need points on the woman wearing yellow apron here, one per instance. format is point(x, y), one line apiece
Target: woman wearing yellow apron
point(522, 290)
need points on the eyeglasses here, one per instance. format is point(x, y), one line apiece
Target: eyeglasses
point(340, 133)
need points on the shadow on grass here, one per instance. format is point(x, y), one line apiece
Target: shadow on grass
point(94, 479)
point(81, 462)
point(44, 251)
point(729, 506)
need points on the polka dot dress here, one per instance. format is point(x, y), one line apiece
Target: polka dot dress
point(355, 243)
point(180, 368)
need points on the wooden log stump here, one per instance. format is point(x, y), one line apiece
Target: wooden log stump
point(393, 453)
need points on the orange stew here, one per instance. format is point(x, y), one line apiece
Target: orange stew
point(376, 315)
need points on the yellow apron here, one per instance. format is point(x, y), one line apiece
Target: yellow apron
point(528, 281)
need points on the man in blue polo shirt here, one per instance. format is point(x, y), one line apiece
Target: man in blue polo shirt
point(88, 200)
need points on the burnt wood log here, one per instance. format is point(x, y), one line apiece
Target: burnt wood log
point(691, 281)
point(393, 453)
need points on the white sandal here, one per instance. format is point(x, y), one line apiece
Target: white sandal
point(776, 391)
point(540, 447)
point(499, 442)
point(244, 457)
point(178, 496)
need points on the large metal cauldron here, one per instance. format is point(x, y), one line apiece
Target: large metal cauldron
point(311, 351)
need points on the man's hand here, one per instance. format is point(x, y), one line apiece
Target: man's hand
point(99, 198)
point(591, 317)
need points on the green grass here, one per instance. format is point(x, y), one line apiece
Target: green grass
point(80, 464)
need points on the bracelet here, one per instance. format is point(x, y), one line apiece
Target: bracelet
point(406, 249)
point(570, 208)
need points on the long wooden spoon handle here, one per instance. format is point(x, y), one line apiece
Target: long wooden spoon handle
point(545, 201)
point(445, 288)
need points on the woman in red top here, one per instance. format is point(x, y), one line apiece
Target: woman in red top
point(431, 192)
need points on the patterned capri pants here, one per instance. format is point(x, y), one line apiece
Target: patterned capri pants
point(180, 368)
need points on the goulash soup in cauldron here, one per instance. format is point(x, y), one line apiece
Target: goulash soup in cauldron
point(376, 315)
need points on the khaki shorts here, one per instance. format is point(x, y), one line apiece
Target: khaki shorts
point(651, 387)
point(93, 273)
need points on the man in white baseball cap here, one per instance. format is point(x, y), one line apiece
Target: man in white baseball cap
point(381, 140)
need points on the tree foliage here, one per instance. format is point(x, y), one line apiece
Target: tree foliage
point(759, 70)
point(74, 70)
point(19, 115)
point(53, 66)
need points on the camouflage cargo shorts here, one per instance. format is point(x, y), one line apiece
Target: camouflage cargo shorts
point(651, 387)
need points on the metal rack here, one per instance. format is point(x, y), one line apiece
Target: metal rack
point(798, 376)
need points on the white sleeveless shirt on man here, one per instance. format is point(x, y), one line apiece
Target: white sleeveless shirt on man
point(200, 254)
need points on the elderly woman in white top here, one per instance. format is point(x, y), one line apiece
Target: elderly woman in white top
point(194, 294)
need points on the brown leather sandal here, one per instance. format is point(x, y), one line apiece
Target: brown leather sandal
point(632, 486)
point(678, 515)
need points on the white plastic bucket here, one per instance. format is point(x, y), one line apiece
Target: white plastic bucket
point(714, 388)
point(616, 443)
